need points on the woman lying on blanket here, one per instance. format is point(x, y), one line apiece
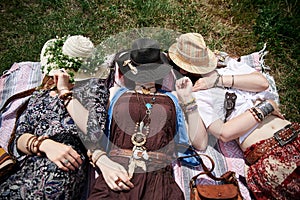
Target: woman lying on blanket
point(269, 142)
point(52, 161)
point(145, 128)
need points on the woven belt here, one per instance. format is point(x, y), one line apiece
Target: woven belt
point(157, 156)
point(281, 137)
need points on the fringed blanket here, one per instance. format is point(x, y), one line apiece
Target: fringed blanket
point(227, 156)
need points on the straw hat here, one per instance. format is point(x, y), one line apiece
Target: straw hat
point(144, 62)
point(71, 52)
point(191, 54)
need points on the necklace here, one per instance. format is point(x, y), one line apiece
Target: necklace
point(139, 138)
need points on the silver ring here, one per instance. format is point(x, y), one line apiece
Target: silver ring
point(66, 161)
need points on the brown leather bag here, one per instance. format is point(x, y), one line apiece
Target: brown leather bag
point(228, 189)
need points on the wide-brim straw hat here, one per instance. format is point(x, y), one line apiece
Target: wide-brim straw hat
point(192, 55)
point(144, 62)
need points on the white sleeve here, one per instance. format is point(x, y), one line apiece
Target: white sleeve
point(210, 104)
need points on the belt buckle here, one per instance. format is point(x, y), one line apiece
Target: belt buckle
point(289, 139)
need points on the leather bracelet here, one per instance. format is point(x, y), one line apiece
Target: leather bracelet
point(265, 107)
point(31, 146)
point(65, 95)
point(37, 146)
point(27, 143)
point(67, 100)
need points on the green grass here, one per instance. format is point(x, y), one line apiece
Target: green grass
point(235, 26)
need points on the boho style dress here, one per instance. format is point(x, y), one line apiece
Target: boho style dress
point(152, 178)
point(38, 177)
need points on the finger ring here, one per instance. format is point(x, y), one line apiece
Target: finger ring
point(66, 161)
point(118, 181)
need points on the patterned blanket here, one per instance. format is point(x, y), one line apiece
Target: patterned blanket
point(20, 77)
point(227, 156)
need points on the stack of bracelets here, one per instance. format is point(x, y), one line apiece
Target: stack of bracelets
point(33, 144)
point(216, 83)
point(66, 97)
point(261, 110)
point(189, 106)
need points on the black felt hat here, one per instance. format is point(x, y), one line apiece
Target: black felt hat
point(144, 62)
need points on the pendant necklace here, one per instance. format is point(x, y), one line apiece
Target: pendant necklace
point(139, 138)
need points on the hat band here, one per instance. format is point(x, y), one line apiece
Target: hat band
point(197, 61)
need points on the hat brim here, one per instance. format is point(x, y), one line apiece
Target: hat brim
point(189, 67)
point(148, 72)
point(44, 59)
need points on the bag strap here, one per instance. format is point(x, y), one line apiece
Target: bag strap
point(18, 112)
point(17, 96)
point(13, 134)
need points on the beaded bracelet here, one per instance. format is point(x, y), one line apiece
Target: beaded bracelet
point(256, 114)
point(191, 108)
point(190, 102)
point(185, 105)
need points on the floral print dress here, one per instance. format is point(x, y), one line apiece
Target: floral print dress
point(38, 177)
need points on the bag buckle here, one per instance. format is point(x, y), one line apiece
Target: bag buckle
point(282, 141)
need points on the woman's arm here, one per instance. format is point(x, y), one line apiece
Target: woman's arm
point(196, 129)
point(76, 110)
point(234, 128)
point(241, 124)
point(253, 82)
point(64, 156)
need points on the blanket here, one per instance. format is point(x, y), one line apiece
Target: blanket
point(20, 77)
point(227, 156)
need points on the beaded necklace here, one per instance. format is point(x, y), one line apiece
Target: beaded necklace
point(139, 138)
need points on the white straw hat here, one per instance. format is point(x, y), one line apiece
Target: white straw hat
point(77, 48)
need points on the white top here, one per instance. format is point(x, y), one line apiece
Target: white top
point(211, 101)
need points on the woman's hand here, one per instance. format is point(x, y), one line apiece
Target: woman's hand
point(115, 175)
point(276, 111)
point(62, 80)
point(64, 156)
point(205, 83)
point(184, 89)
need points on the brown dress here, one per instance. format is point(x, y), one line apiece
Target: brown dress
point(158, 181)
